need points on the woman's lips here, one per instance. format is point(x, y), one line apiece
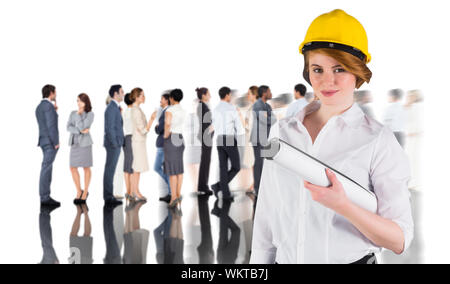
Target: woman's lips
point(328, 93)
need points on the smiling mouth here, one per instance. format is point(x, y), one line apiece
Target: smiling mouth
point(328, 93)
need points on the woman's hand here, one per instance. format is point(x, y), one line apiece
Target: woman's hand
point(86, 131)
point(332, 197)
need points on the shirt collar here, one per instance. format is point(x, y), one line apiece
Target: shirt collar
point(350, 117)
point(118, 105)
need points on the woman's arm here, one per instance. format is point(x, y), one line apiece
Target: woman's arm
point(167, 124)
point(393, 226)
point(382, 232)
point(84, 124)
point(71, 127)
point(139, 121)
point(263, 249)
point(150, 122)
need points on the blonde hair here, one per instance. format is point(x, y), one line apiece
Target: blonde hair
point(349, 62)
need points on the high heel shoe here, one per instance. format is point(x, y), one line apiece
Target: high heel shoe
point(173, 204)
point(83, 201)
point(77, 200)
point(139, 199)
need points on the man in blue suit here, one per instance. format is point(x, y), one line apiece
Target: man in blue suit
point(47, 119)
point(113, 142)
point(159, 161)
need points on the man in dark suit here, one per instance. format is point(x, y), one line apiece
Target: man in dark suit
point(263, 119)
point(159, 161)
point(205, 135)
point(113, 142)
point(47, 119)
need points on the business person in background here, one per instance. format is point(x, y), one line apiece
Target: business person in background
point(205, 135)
point(127, 147)
point(174, 145)
point(47, 119)
point(113, 142)
point(300, 101)
point(228, 127)
point(249, 157)
point(80, 142)
point(263, 119)
point(140, 127)
point(395, 115)
point(159, 160)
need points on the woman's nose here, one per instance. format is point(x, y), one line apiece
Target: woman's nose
point(328, 78)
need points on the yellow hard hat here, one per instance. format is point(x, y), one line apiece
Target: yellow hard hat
point(337, 30)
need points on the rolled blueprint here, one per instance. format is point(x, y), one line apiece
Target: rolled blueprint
point(313, 171)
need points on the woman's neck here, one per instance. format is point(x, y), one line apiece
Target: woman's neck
point(328, 111)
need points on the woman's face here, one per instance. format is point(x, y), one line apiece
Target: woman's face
point(250, 96)
point(330, 81)
point(141, 98)
point(80, 103)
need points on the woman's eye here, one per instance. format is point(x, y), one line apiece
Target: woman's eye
point(339, 70)
point(317, 70)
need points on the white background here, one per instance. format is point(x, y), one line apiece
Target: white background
point(85, 46)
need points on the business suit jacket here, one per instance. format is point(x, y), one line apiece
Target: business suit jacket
point(139, 122)
point(78, 123)
point(159, 129)
point(114, 136)
point(47, 119)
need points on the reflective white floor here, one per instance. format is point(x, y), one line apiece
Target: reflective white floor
point(205, 230)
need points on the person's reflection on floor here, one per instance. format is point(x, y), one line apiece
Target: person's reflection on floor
point(174, 244)
point(45, 229)
point(205, 249)
point(228, 247)
point(81, 247)
point(112, 245)
point(161, 233)
point(135, 238)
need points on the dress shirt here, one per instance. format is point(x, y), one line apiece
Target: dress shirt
point(292, 228)
point(395, 117)
point(296, 107)
point(226, 120)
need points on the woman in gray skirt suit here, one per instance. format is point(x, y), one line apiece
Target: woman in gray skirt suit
point(80, 141)
point(174, 145)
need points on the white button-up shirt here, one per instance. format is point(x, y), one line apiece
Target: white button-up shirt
point(290, 227)
point(226, 120)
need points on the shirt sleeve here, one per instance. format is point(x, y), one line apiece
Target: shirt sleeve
point(71, 125)
point(390, 174)
point(263, 249)
point(86, 123)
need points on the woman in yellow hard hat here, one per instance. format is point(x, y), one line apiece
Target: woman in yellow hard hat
point(298, 222)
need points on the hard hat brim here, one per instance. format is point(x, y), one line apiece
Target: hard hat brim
point(335, 45)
